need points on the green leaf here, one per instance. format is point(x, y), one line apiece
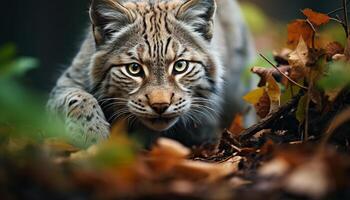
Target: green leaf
point(18, 67)
point(338, 76)
point(289, 93)
point(301, 110)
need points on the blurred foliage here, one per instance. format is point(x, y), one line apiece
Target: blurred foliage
point(11, 66)
point(24, 121)
point(22, 111)
point(255, 17)
point(338, 75)
point(333, 32)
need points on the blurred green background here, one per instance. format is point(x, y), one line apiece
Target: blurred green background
point(51, 31)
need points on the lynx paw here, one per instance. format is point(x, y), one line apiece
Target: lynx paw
point(85, 120)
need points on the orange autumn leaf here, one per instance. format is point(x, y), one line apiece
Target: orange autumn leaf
point(237, 125)
point(316, 18)
point(300, 28)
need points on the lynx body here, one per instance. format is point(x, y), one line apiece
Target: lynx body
point(168, 67)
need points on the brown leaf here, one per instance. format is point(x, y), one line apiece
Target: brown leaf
point(209, 171)
point(60, 145)
point(275, 168)
point(274, 92)
point(166, 154)
point(170, 148)
point(264, 72)
point(316, 18)
point(332, 94)
point(237, 125)
point(332, 49)
point(282, 57)
point(299, 57)
point(298, 60)
point(263, 105)
point(299, 28)
point(309, 179)
point(169, 157)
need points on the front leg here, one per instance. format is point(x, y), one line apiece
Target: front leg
point(82, 114)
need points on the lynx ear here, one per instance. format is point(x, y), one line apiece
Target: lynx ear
point(108, 17)
point(200, 15)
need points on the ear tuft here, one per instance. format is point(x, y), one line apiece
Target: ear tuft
point(108, 17)
point(200, 15)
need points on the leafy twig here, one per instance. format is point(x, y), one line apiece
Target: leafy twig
point(283, 74)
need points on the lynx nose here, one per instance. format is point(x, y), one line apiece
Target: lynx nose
point(159, 99)
point(160, 108)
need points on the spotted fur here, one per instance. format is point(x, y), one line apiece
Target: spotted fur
point(156, 64)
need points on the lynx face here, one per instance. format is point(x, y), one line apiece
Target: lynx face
point(153, 63)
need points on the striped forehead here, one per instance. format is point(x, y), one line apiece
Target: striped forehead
point(154, 26)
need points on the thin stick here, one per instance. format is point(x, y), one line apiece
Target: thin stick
point(283, 74)
point(337, 20)
point(345, 9)
point(336, 10)
point(313, 34)
point(271, 118)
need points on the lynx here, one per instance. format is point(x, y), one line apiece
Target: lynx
point(168, 67)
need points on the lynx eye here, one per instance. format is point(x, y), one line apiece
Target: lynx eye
point(134, 69)
point(180, 66)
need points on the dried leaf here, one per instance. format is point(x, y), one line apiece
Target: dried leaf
point(263, 106)
point(299, 28)
point(237, 125)
point(274, 92)
point(316, 18)
point(332, 49)
point(309, 179)
point(170, 157)
point(264, 72)
point(275, 168)
point(84, 154)
point(299, 57)
point(170, 148)
point(282, 57)
point(254, 96)
point(332, 94)
point(60, 145)
point(208, 171)
point(298, 60)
